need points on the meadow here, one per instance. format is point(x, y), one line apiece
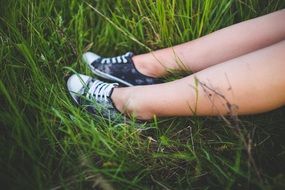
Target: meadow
point(46, 142)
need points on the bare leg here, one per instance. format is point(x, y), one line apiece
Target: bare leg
point(216, 47)
point(254, 82)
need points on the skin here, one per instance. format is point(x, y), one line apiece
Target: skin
point(237, 70)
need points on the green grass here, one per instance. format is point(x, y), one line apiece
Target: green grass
point(46, 142)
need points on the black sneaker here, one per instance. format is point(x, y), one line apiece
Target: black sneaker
point(119, 69)
point(92, 94)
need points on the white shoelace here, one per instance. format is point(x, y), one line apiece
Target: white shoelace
point(118, 59)
point(100, 91)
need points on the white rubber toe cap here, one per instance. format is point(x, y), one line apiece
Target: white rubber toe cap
point(76, 84)
point(89, 57)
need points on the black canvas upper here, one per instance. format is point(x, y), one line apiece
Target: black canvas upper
point(124, 70)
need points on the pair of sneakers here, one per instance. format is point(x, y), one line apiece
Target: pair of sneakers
point(95, 94)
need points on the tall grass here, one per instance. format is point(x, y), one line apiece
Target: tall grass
point(46, 142)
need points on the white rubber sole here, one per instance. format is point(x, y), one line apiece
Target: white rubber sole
point(109, 77)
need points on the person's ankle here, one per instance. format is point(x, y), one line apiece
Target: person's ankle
point(145, 68)
point(128, 103)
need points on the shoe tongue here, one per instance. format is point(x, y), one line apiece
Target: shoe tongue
point(109, 93)
point(129, 54)
point(114, 85)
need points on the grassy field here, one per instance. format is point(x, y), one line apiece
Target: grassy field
point(46, 142)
